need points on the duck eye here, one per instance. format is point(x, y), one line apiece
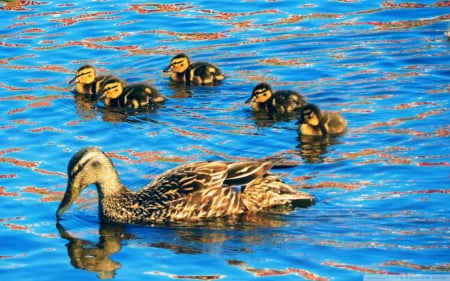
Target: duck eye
point(109, 88)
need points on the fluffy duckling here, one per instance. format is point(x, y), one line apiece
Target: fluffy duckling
point(314, 122)
point(117, 94)
point(87, 82)
point(201, 190)
point(263, 99)
point(200, 73)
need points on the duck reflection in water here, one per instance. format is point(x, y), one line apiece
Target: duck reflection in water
point(95, 257)
point(313, 148)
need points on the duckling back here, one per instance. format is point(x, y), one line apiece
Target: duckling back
point(334, 123)
point(204, 73)
point(285, 101)
point(140, 95)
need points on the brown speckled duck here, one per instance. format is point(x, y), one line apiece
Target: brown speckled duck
point(116, 93)
point(202, 190)
point(199, 73)
point(87, 82)
point(314, 122)
point(264, 99)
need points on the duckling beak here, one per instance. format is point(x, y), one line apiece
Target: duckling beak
point(73, 80)
point(102, 96)
point(70, 195)
point(167, 69)
point(249, 100)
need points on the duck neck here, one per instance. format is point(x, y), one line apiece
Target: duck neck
point(109, 184)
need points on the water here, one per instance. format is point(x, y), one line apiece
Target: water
point(383, 187)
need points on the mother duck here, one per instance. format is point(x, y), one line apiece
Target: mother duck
point(201, 190)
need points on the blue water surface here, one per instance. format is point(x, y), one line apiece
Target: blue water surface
point(382, 187)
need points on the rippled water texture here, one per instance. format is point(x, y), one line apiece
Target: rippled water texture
point(383, 187)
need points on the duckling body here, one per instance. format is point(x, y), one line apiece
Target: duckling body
point(87, 82)
point(314, 122)
point(117, 93)
point(264, 99)
point(193, 191)
point(199, 73)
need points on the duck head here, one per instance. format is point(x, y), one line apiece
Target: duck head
point(112, 88)
point(310, 115)
point(261, 93)
point(84, 75)
point(88, 166)
point(178, 64)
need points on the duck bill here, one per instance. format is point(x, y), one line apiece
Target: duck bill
point(69, 197)
point(101, 96)
point(167, 69)
point(249, 100)
point(73, 80)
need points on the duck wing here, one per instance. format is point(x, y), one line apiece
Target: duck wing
point(199, 190)
point(190, 178)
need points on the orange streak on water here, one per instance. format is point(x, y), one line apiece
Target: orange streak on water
point(190, 134)
point(43, 129)
point(356, 268)
point(277, 272)
point(5, 193)
point(441, 267)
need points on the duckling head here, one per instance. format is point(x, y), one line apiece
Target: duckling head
point(84, 75)
point(178, 64)
point(112, 88)
point(261, 93)
point(88, 166)
point(310, 115)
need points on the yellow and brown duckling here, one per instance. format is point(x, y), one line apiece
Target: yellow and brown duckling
point(116, 93)
point(195, 191)
point(199, 73)
point(314, 122)
point(264, 99)
point(87, 82)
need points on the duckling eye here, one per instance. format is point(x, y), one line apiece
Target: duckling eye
point(307, 115)
point(109, 88)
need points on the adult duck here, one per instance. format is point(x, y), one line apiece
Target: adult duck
point(201, 190)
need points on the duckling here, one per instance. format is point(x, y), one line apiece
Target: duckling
point(194, 191)
point(200, 73)
point(263, 99)
point(116, 93)
point(315, 122)
point(87, 82)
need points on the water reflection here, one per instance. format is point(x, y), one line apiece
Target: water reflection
point(264, 119)
point(93, 256)
point(179, 237)
point(313, 148)
point(85, 106)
